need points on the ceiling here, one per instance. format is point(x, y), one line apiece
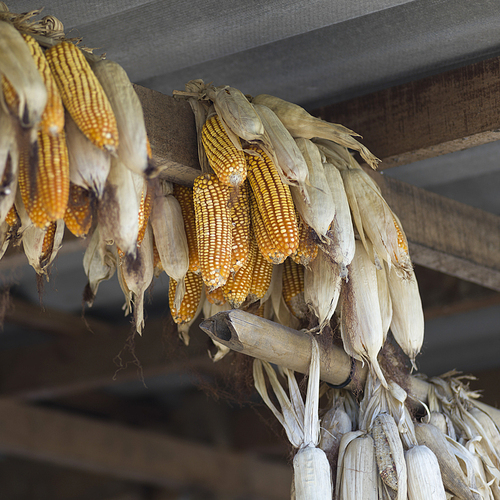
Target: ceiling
point(312, 53)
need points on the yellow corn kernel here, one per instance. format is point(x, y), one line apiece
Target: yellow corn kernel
point(274, 201)
point(144, 213)
point(240, 219)
point(262, 273)
point(53, 116)
point(53, 173)
point(238, 285)
point(184, 195)
point(402, 243)
point(307, 249)
point(78, 216)
point(293, 288)
point(213, 229)
point(12, 218)
point(191, 300)
point(48, 243)
point(265, 244)
point(148, 148)
point(227, 161)
point(83, 95)
point(215, 296)
point(10, 96)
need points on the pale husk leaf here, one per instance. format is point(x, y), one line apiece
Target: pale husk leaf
point(312, 475)
point(424, 478)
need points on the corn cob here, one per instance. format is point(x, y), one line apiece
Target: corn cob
point(83, 95)
point(53, 116)
point(262, 273)
point(334, 424)
point(215, 297)
point(293, 288)
point(88, 165)
point(133, 147)
point(361, 322)
point(301, 124)
point(191, 300)
point(78, 216)
point(307, 249)
point(238, 285)
point(48, 243)
point(53, 174)
point(213, 229)
point(322, 285)
point(145, 207)
point(19, 68)
point(266, 246)
point(424, 479)
point(389, 454)
point(240, 219)
point(12, 219)
point(227, 161)
point(184, 195)
point(274, 202)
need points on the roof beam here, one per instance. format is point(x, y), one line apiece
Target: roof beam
point(436, 115)
point(135, 455)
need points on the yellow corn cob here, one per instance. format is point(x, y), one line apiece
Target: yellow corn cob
point(12, 218)
point(53, 116)
point(48, 243)
point(262, 273)
point(184, 195)
point(78, 216)
point(148, 148)
point(402, 243)
point(192, 296)
point(82, 95)
point(238, 285)
point(215, 296)
point(240, 218)
point(53, 173)
point(10, 96)
point(293, 288)
point(266, 245)
point(307, 249)
point(274, 201)
point(144, 213)
point(213, 229)
point(226, 160)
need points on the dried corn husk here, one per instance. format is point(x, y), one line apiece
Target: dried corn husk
point(18, 66)
point(384, 296)
point(322, 284)
point(407, 323)
point(361, 322)
point(88, 165)
point(118, 209)
point(320, 211)
point(127, 108)
point(334, 424)
point(301, 124)
point(424, 478)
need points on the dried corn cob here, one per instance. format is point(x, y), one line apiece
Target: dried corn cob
point(262, 273)
point(307, 249)
point(145, 207)
point(293, 288)
point(213, 229)
point(274, 202)
point(240, 219)
point(53, 116)
point(424, 478)
point(238, 285)
point(191, 300)
point(127, 108)
point(78, 216)
point(83, 95)
point(88, 165)
point(216, 296)
point(12, 219)
point(19, 68)
point(226, 160)
point(266, 246)
point(184, 195)
point(53, 174)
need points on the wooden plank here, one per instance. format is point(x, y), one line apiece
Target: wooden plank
point(446, 235)
point(134, 455)
point(440, 114)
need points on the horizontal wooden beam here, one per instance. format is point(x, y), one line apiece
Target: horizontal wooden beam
point(439, 114)
point(446, 235)
point(134, 455)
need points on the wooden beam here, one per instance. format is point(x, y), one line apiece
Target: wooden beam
point(446, 235)
point(134, 455)
point(439, 114)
